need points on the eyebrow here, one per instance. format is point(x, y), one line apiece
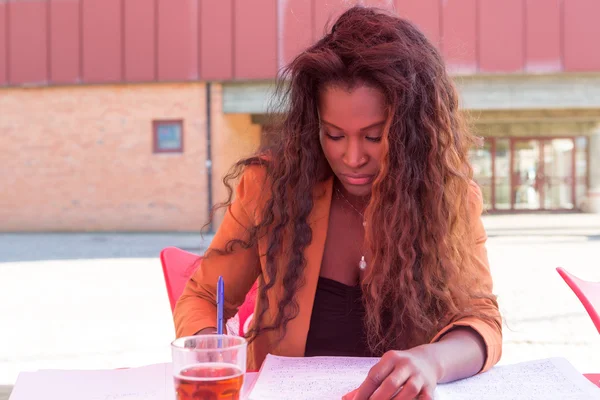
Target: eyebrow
point(362, 129)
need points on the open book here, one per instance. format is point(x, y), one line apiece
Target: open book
point(327, 378)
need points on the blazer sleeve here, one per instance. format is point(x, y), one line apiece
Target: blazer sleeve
point(196, 308)
point(490, 329)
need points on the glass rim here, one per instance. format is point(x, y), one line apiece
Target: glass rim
point(242, 342)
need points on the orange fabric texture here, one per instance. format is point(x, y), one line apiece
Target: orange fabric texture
point(196, 308)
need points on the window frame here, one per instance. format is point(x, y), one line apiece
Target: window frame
point(155, 125)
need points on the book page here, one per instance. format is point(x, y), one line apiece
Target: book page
point(310, 378)
point(553, 378)
point(332, 377)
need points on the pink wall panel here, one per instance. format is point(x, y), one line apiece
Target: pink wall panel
point(216, 39)
point(178, 40)
point(423, 13)
point(501, 29)
point(295, 29)
point(255, 39)
point(3, 44)
point(28, 42)
point(102, 40)
point(384, 4)
point(325, 13)
point(543, 35)
point(65, 39)
point(581, 35)
point(140, 39)
point(459, 36)
point(71, 41)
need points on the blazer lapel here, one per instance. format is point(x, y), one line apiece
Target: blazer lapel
point(295, 341)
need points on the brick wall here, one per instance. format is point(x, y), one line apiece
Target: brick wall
point(81, 159)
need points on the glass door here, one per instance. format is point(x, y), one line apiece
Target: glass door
point(502, 190)
point(581, 169)
point(526, 175)
point(532, 173)
point(558, 178)
point(481, 160)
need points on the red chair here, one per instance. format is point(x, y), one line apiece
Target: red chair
point(589, 294)
point(178, 265)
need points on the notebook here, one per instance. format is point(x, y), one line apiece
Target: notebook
point(327, 378)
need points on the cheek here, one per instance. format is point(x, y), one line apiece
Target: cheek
point(331, 150)
point(377, 153)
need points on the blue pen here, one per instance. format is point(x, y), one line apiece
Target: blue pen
point(220, 301)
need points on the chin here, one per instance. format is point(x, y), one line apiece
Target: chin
point(359, 191)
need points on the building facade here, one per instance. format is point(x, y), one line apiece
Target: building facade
point(124, 115)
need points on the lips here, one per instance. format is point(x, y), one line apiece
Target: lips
point(357, 180)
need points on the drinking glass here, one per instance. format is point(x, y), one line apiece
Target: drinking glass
point(209, 367)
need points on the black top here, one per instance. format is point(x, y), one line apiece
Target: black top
point(337, 321)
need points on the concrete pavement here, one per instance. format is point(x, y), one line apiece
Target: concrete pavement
point(85, 301)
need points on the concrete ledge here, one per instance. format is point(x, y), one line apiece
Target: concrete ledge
point(529, 91)
point(247, 98)
point(480, 92)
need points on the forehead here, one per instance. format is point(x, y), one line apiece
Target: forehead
point(352, 108)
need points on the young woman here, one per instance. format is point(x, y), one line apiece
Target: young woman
point(361, 222)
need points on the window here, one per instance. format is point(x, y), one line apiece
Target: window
point(168, 136)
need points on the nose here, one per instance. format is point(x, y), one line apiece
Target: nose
point(355, 156)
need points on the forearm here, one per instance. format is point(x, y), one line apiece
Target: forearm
point(193, 314)
point(458, 354)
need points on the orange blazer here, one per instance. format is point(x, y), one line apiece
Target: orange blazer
point(196, 308)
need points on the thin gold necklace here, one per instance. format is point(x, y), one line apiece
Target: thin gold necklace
point(362, 215)
point(362, 264)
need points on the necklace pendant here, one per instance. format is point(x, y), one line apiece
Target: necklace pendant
point(362, 264)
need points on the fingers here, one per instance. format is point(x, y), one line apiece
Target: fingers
point(396, 376)
point(350, 396)
point(396, 383)
point(410, 390)
point(426, 394)
point(377, 374)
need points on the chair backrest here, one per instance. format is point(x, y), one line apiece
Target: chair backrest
point(178, 265)
point(587, 292)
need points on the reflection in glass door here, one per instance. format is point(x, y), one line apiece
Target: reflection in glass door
point(558, 179)
point(526, 174)
point(581, 169)
point(481, 160)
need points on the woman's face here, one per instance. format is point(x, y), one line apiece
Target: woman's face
point(352, 124)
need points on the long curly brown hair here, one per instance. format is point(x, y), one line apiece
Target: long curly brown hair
point(419, 207)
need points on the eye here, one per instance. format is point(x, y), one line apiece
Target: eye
point(332, 137)
point(374, 139)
